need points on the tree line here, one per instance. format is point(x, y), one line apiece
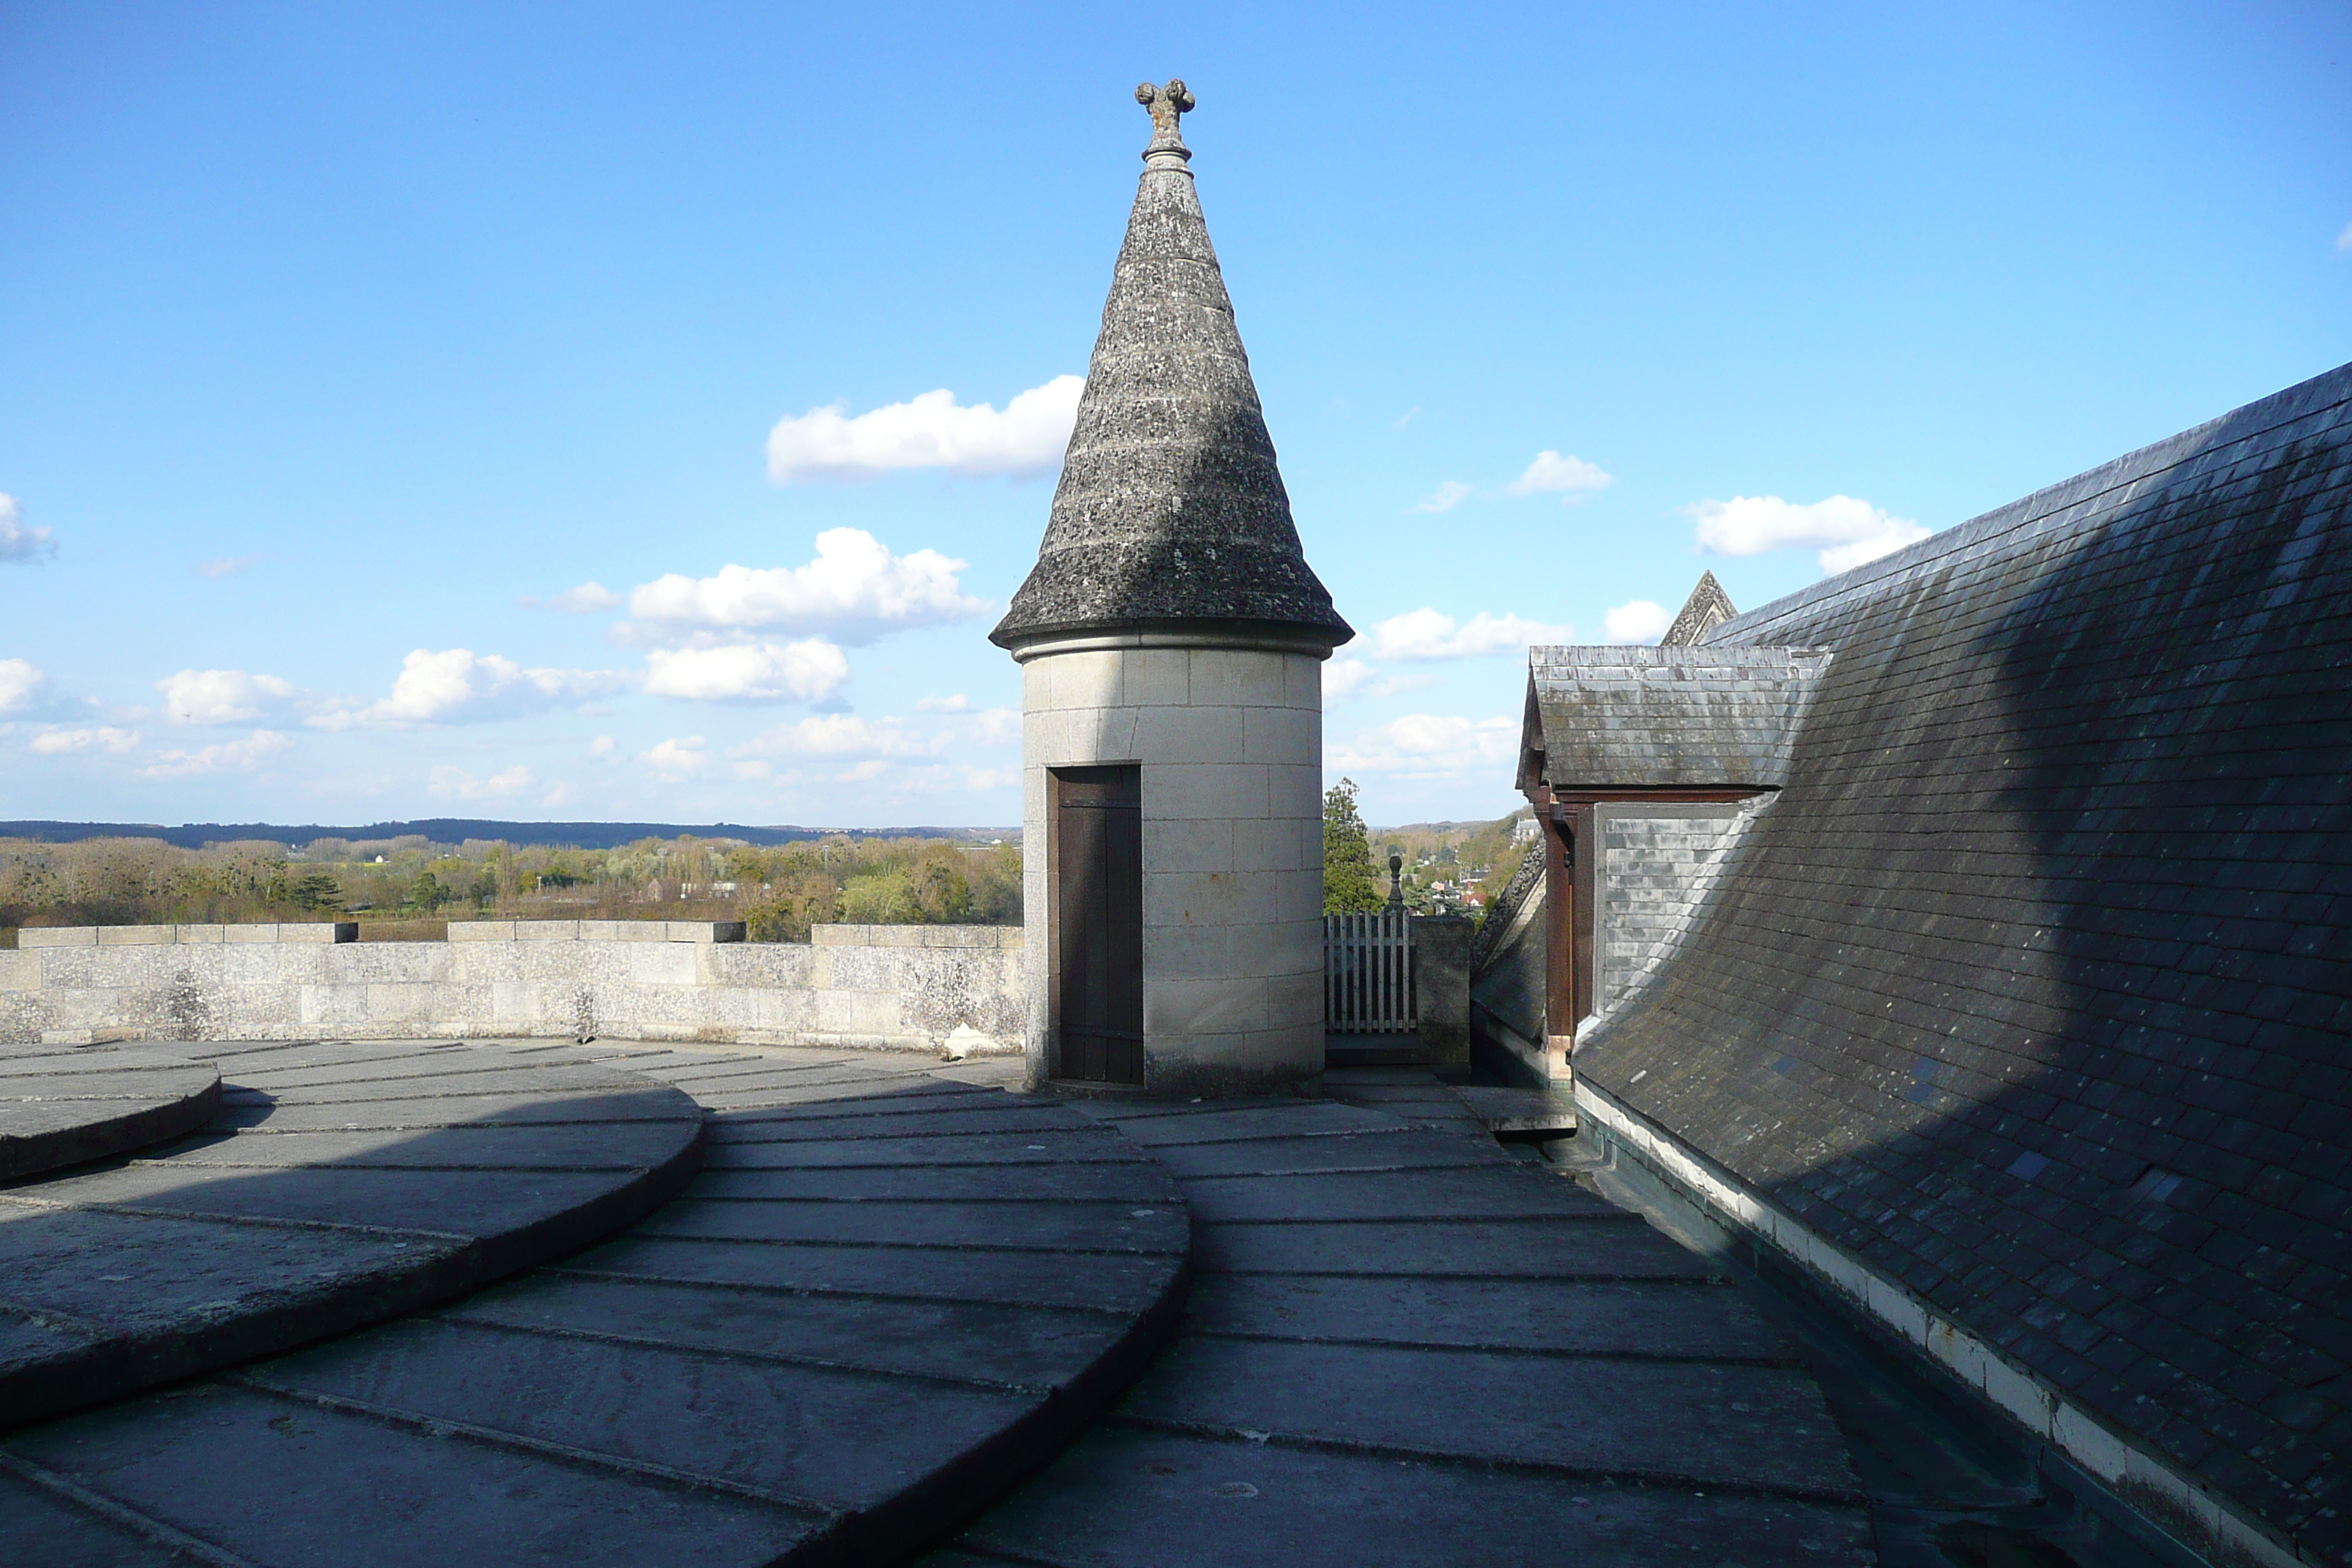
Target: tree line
point(778, 892)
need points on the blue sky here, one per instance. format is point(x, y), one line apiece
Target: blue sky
point(342, 350)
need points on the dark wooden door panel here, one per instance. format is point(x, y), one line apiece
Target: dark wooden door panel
point(1098, 923)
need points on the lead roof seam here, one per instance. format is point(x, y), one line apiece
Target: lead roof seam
point(259, 1221)
point(121, 1514)
point(264, 1130)
point(1534, 1352)
point(1300, 1442)
point(741, 1122)
point(1015, 1248)
point(1114, 1159)
point(1614, 1217)
point(1613, 1276)
point(462, 1317)
point(1337, 1170)
point(490, 1436)
point(1282, 1137)
point(1058, 1202)
point(330, 1165)
point(638, 1276)
point(41, 1317)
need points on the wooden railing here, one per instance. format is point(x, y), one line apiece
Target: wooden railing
point(1368, 973)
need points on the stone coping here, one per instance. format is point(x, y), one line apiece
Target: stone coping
point(916, 936)
point(596, 931)
point(329, 931)
point(322, 932)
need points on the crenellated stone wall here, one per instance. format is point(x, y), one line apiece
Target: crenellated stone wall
point(893, 987)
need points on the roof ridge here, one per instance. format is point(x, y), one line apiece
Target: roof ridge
point(2011, 525)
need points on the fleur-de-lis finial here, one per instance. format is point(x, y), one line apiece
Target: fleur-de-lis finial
point(1166, 104)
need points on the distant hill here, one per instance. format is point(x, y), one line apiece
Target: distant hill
point(457, 829)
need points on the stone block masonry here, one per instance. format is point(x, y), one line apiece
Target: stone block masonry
point(889, 987)
point(1230, 742)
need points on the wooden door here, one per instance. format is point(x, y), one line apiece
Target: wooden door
point(1098, 923)
point(1571, 892)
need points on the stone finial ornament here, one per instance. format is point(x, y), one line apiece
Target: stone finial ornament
point(1708, 607)
point(1166, 104)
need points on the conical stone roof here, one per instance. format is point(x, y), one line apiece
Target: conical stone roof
point(1170, 508)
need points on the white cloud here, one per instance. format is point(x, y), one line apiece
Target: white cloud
point(456, 783)
point(806, 671)
point(932, 431)
point(20, 541)
point(1639, 620)
point(221, 566)
point(1446, 497)
point(457, 686)
point(958, 704)
point(22, 684)
point(62, 742)
point(1848, 529)
point(846, 736)
point(602, 746)
point(223, 696)
point(229, 756)
point(1427, 745)
point(676, 758)
point(1405, 418)
point(855, 590)
point(1343, 677)
point(993, 726)
point(2344, 240)
point(1570, 478)
point(1427, 634)
point(947, 778)
point(585, 600)
point(562, 794)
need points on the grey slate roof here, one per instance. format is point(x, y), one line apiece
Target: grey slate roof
point(1169, 507)
point(2034, 988)
point(1638, 717)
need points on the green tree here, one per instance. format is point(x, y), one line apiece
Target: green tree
point(426, 892)
point(883, 899)
point(942, 891)
point(316, 890)
point(1351, 885)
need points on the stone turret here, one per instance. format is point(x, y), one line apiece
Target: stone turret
point(1170, 637)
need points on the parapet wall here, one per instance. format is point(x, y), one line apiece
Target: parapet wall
point(894, 987)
